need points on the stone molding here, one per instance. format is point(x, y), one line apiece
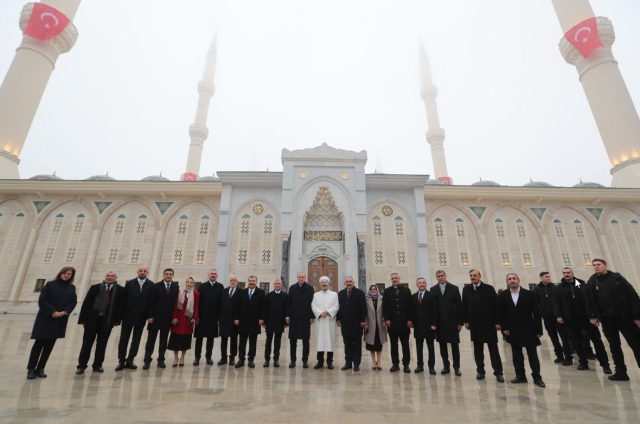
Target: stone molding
point(323, 153)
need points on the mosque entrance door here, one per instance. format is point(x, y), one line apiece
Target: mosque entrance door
point(323, 266)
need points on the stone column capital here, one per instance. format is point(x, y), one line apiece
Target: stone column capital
point(605, 32)
point(62, 43)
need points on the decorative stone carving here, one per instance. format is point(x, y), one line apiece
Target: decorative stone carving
point(362, 265)
point(387, 210)
point(284, 276)
point(61, 44)
point(323, 235)
point(323, 216)
point(258, 209)
point(606, 33)
point(324, 153)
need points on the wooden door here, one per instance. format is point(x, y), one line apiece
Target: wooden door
point(323, 266)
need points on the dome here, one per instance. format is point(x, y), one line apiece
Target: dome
point(155, 178)
point(105, 177)
point(486, 183)
point(537, 184)
point(588, 185)
point(209, 178)
point(46, 177)
point(434, 182)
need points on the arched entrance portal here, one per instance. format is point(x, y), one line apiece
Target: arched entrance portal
point(320, 266)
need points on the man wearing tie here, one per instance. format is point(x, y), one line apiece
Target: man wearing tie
point(299, 318)
point(227, 329)
point(352, 319)
point(101, 311)
point(207, 326)
point(449, 321)
point(275, 311)
point(160, 314)
point(425, 321)
point(138, 293)
point(249, 319)
point(396, 307)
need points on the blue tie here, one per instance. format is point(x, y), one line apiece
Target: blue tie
point(250, 293)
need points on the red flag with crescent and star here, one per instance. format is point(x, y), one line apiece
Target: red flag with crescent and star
point(584, 37)
point(189, 176)
point(45, 22)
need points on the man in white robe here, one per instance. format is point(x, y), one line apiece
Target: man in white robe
point(325, 307)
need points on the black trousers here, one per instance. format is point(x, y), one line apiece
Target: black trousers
point(293, 344)
point(276, 346)
point(494, 353)
point(151, 343)
point(320, 357)
point(455, 352)
point(431, 362)
point(518, 360)
point(576, 327)
point(553, 329)
point(612, 327)
point(125, 334)
point(406, 353)
point(233, 349)
point(40, 353)
point(242, 349)
point(352, 349)
point(209, 349)
point(98, 335)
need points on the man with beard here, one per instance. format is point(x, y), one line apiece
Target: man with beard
point(210, 305)
point(249, 319)
point(228, 330)
point(275, 311)
point(397, 307)
point(299, 318)
point(325, 307)
point(352, 319)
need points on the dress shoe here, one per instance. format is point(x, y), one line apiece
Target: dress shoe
point(606, 369)
point(538, 382)
point(591, 356)
point(394, 368)
point(251, 363)
point(318, 366)
point(583, 367)
point(162, 365)
point(240, 363)
point(209, 361)
point(445, 371)
point(520, 379)
point(292, 364)
point(40, 373)
point(276, 363)
point(457, 372)
point(196, 362)
point(266, 364)
point(558, 359)
point(480, 376)
point(356, 368)
point(330, 365)
point(146, 366)
point(175, 365)
point(432, 371)
point(419, 369)
point(222, 361)
point(619, 376)
point(379, 368)
point(406, 369)
point(567, 362)
point(31, 375)
point(131, 366)
point(305, 364)
point(348, 367)
point(98, 369)
point(181, 364)
point(232, 361)
point(500, 378)
point(80, 370)
point(120, 366)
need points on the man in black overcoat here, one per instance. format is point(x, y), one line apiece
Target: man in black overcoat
point(210, 305)
point(450, 321)
point(545, 292)
point(480, 316)
point(160, 315)
point(299, 318)
point(249, 319)
point(138, 293)
point(425, 322)
point(101, 311)
point(352, 320)
point(396, 309)
point(275, 313)
point(227, 329)
point(521, 322)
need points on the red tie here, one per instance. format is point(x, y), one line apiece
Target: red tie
point(420, 299)
point(106, 305)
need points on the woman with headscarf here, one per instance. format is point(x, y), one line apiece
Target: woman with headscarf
point(374, 337)
point(185, 316)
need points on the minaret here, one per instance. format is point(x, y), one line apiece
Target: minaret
point(198, 131)
point(25, 82)
point(435, 134)
point(607, 93)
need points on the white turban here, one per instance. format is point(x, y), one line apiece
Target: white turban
point(325, 278)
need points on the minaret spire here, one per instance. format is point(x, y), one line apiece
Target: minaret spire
point(198, 131)
point(435, 134)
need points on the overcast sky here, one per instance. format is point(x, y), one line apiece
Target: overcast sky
point(297, 73)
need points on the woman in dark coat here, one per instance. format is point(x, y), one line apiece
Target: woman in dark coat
point(375, 336)
point(185, 314)
point(57, 301)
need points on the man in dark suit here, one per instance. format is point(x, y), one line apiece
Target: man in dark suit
point(101, 311)
point(480, 315)
point(227, 329)
point(352, 319)
point(299, 318)
point(425, 321)
point(249, 319)
point(160, 314)
point(138, 293)
point(396, 308)
point(521, 322)
point(449, 321)
point(275, 311)
point(210, 305)
point(545, 292)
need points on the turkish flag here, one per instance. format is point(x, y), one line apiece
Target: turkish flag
point(584, 37)
point(189, 176)
point(45, 22)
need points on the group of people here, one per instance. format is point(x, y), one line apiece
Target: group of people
point(572, 309)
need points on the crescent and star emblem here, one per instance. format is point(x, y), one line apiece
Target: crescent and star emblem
point(585, 39)
point(47, 25)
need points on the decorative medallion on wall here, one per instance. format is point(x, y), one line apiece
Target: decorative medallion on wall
point(303, 175)
point(344, 175)
point(258, 209)
point(102, 206)
point(539, 212)
point(163, 206)
point(596, 212)
point(387, 210)
point(40, 204)
point(478, 210)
